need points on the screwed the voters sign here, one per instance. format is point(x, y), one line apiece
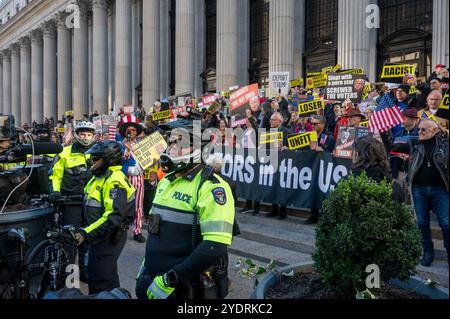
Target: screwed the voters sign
point(149, 150)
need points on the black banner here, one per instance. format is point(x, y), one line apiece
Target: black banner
point(300, 179)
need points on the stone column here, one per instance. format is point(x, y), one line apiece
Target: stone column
point(164, 52)
point(440, 32)
point(227, 44)
point(81, 65)
point(123, 53)
point(49, 29)
point(135, 46)
point(151, 53)
point(7, 81)
point(37, 88)
point(15, 83)
point(200, 45)
point(64, 67)
point(111, 54)
point(281, 36)
point(244, 42)
point(299, 41)
point(184, 43)
point(25, 80)
point(90, 61)
point(100, 56)
point(354, 37)
point(1, 82)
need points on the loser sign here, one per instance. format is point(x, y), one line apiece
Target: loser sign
point(279, 83)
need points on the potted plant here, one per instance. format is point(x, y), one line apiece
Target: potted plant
point(362, 228)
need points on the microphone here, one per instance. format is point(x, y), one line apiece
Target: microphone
point(39, 149)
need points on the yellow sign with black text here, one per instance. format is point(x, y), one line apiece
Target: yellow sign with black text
point(149, 150)
point(270, 137)
point(443, 111)
point(310, 107)
point(364, 124)
point(300, 141)
point(396, 71)
point(161, 115)
point(298, 82)
point(353, 71)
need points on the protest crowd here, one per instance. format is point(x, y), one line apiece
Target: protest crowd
point(395, 130)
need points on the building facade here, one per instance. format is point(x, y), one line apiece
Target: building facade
point(85, 55)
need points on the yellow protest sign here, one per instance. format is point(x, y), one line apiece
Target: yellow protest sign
point(366, 91)
point(317, 81)
point(364, 124)
point(311, 74)
point(301, 140)
point(412, 90)
point(327, 69)
point(443, 111)
point(337, 68)
point(161, 115)
point(149, 149)
point(310, 107)
point(61, 130)
point(267, 138)
point(397, 71)
point(353, 71)
point(69, 113)
point(298, 82)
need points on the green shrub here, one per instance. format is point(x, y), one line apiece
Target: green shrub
point(362, 225)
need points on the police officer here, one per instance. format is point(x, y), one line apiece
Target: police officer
point(69, 176)
point(190, 227)
point(108, 207)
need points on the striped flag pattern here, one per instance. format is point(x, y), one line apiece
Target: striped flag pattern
point(112, 130)
point(386, 116)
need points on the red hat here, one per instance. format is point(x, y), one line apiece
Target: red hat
point(128, 121)
point(439, 66)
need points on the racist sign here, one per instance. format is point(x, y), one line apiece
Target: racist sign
point(394, 73)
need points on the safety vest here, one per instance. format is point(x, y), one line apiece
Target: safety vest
point(6, 166)
point(70, 172)
point(183, 205)
point(102, 201)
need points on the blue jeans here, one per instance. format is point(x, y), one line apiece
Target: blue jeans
point(431, 198)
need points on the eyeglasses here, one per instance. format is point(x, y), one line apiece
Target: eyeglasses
point(422, 129)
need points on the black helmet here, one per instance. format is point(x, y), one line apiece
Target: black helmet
point(42, 129)
point(181, 136)
point(109, 151)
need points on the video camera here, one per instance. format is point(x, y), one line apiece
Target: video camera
point(32, 178)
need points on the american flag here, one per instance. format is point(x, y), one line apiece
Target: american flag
point(112, 130)
point(386, 116)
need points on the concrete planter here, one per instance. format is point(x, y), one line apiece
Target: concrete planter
point(414, 283)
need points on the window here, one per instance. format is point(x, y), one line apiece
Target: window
point(259, 42)
point(405, 34)
point(404, 14)
point(321, 23)
point(211, 33)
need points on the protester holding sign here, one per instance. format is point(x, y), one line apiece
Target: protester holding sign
point(325, 141)
point(129, 130)
point(433, 103)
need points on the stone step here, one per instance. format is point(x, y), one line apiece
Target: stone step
point(305, 213)
point(438, 271)
point(291, 233)
point(264, 252)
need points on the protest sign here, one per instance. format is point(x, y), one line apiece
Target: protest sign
point(149, 150)
point(69, 113)
point(241, 100)
point(367, 89)
point(301, 179)
point(297, 82)
point(364, 124)
point(443, 109)
point(316, 81)
point(311, 107)
point(97, 121)
point(279, 83)
point(345, 86)
point(272, 137)
point(299, 141)
point(161, 115)
point(353, 71)
point(61, 130)
point(128, 110)
point(344, 144)
point(337, 68)
point(394, 73)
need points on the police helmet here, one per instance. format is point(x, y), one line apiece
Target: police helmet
point(109, 151)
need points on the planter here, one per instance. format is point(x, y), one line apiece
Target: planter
point(414, 283)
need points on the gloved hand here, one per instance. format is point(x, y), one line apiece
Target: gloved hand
point(162, 286)
point(55, 196)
